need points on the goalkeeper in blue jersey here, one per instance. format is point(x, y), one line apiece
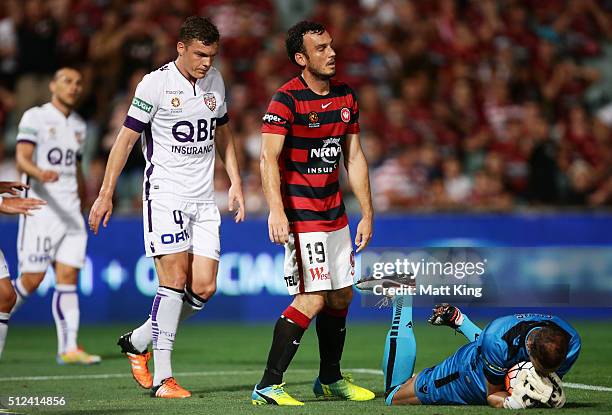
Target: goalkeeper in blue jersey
point(475, 373)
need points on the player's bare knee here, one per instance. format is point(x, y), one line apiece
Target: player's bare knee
point(206, 291)
point(310, 304)
point(7, 301)
point(400, 401)
point(405, 400)
point(172, 270)
point(208, 294)
point(176, 281)
point(32, 280)
point(340, 299)
point(68, 278)
point(204, 284)
point(406, 394)
point(11, 299)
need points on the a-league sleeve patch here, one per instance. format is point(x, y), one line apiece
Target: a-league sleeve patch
point(142, 105)
point(28, 130)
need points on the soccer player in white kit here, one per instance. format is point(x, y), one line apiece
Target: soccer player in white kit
point(180, 112)
point(49, 146)
point(11, 206)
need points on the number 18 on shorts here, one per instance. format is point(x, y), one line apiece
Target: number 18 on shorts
point(319, 261)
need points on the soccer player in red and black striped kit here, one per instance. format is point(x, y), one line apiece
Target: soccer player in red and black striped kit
point(311, 122)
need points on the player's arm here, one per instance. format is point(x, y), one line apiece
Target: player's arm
point(227, 151)
point(359, 180)
point(24, 158)
point(271, 148)
point(143, 108)
point(496, 395)
point(528, 386)
point(19, 205)
point(492, 353)
point(27, 139)
point(499, 397)
point(80, 184)
point(103, 206)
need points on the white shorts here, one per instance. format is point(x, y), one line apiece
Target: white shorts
point(172, 226)
point(46, 238)
point(319, 261)
point(4, 269)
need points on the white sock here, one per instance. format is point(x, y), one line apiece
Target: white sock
point(141, 337)
point(65, 307)
point(22, 294)
point(4, 318)
point(165, 314)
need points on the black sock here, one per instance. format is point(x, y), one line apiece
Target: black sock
point(331, 331)
point(285, 343)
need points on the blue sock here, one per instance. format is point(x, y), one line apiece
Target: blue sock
point(470, 330)
point(400, 345)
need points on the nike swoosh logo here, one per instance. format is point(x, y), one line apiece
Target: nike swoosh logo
point(296, 343)
point(326, 105)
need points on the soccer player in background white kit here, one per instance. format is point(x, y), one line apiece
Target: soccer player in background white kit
point(11, 206)
point(181, 113)
point(49, 145)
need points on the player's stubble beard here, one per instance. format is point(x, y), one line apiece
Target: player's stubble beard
point(323, 76)
point(69, 106)
point(198, 72)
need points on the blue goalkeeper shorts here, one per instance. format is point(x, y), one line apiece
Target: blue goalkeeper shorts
point(458, 380)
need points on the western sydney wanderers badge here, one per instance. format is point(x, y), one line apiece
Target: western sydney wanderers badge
point(210, 101)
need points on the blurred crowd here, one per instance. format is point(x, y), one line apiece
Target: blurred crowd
point(465, 104)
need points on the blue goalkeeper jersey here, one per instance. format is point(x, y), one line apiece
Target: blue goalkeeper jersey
point(462, 377)
point(502, 343)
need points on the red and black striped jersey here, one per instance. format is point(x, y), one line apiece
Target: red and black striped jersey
point(315, 128)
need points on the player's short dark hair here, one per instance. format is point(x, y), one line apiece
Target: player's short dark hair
point(198, 28)
point(295, 37)
point(549, 346)
point(57, 73)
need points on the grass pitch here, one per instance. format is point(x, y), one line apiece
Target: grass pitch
point(220, 364)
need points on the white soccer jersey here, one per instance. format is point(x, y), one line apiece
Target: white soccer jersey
point(177, 121)
point(59, 142)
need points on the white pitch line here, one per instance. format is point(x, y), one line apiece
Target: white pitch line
point(242, 372)
point(587, 387)
point(566, 384)
point(121, 375)
point(366, 371)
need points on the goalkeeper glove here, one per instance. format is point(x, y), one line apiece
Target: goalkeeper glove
point(557, 399)
point(539, 388)
point(514, 402)
point(518, 399)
